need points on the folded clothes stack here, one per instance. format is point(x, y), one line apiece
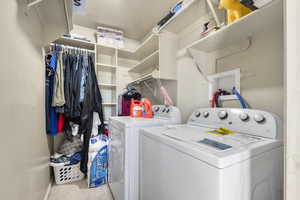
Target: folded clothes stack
point(63, 160)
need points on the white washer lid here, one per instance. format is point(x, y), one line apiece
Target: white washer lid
point(137, 122)
point(189, 139)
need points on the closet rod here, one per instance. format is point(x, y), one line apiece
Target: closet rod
point(72, 47)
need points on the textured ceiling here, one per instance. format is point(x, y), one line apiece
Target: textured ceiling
point(135, 17)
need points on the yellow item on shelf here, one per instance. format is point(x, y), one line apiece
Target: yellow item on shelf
point(235, 9)
point(221, 132)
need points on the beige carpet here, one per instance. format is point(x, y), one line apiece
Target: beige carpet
point(79, 191)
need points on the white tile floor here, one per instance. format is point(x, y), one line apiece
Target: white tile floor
point(79, 191)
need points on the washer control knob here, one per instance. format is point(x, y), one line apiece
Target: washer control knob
point(206, 114)
point(197, 114)
point(244, 116)
point(259, 118)
point(222, 114)
point(156, 109)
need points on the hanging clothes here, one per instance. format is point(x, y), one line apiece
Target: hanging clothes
point(68, 62)
point(85, 65)
point(51, 115)
point(73, 81)
point(92, 103)
point(73, 98)
point(73, 73)
point(47, 92)
point(58, 90)
point(60, 123)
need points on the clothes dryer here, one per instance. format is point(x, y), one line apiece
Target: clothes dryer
point(123, 169)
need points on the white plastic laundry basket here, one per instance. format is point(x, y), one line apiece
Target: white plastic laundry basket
point(67, 174)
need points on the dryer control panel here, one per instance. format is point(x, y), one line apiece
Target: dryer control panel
point(167, 112)
point(247, 121)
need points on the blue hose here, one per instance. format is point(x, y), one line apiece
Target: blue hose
point(235, 92)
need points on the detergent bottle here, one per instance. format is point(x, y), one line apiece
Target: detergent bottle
point(147, 108)
point(136, 108)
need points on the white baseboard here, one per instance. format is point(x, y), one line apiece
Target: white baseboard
point(48, 191)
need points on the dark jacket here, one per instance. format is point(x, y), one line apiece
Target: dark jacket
point(92, 103)
point(73, 71)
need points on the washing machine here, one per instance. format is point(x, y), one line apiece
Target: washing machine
point(220, 154)
point(123, 169)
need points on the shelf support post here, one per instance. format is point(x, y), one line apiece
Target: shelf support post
point(212, 9)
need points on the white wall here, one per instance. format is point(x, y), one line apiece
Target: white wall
point(23, 148)
point(261, 82)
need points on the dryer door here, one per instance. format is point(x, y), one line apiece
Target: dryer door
point(116, 162)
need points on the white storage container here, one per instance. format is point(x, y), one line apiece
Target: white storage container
point(67, 174)
point(110, 37)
